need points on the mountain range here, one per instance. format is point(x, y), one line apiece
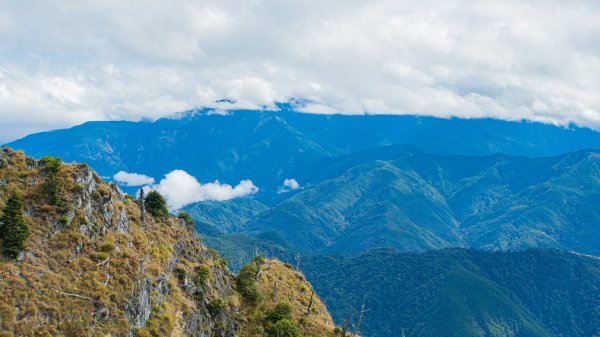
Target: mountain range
point(419, 202)
point(270, 146)
point(391, 207)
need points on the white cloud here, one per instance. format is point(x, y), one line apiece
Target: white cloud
point(105, 60)
point(180, 189)
point(289, 185)
point(132, 179)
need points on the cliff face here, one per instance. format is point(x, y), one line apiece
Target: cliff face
point(90, 267)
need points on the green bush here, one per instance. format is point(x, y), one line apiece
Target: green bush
point(281, 311)
point(246, 284)
point(285, 328)
point(202, 275)
point(107, 247)
point(51, 164)
point(217, 305)
point(13, 228)
point(156, 205)
point(187, 218)
point(54, 185)
point(180, 273)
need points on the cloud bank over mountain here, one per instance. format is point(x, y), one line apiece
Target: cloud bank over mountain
point(63, 63)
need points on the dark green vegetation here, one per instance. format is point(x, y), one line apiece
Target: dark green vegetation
point(187, 218)
point(156, 205)
point(53, 182)
point(13, 229)
point(268, 146)
point(215, 217)
point(246, 282)
point(457, 292)
point(241, 248)
point(416, 202)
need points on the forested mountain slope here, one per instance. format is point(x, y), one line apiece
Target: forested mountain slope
point(457, 292)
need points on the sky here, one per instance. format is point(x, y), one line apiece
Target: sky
point(66, 62)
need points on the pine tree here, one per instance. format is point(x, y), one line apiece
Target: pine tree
point(156, 204)
point(13, 229)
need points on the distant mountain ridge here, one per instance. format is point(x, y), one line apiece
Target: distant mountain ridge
point(419, 202)
point(270, 146)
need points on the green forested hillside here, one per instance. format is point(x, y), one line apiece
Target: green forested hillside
point(213, 217)
point(457, 292)
point(419, 201)
point(372, 205)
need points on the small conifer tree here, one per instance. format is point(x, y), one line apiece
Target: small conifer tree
point(13, 229)
point(156, 204)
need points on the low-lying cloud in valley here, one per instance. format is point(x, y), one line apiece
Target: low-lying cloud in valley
point(289, 185)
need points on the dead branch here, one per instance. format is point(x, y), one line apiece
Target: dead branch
point(360, 316)
point(310, 303)
point(104, 262)
point(346, 324)
point(75, 295)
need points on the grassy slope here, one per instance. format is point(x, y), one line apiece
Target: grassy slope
point(92, 268)
point(279, 283)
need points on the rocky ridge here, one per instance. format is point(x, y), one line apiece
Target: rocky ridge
point(92, 268)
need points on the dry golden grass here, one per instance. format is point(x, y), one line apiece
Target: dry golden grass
point(78, 273)
point(279, 283)
point(100, 266)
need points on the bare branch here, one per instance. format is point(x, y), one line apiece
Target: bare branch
point(75, 295)
point(310, 303)
point(360, 316)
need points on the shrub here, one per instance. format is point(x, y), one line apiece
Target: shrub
point(337, 330)
point(107, 247)
point(281, 311)
point(217, 305)
point(54, 186)
point(156, 204)
point(187, 218)
point(13, 229)
point(202, 275)
point(51, 164)
point(246, 284)
point(285, 328)
point(143, 332)
point(180, 273)
point(78, 188)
